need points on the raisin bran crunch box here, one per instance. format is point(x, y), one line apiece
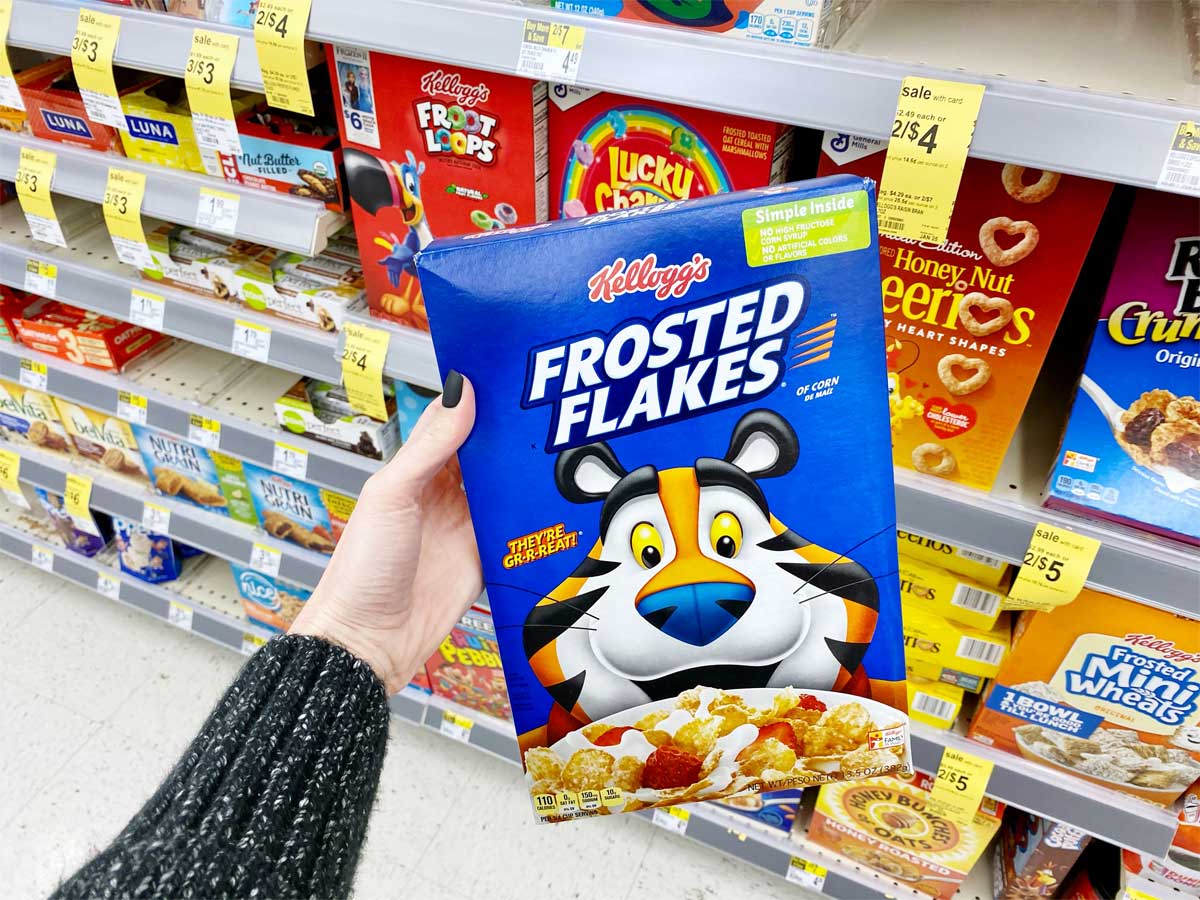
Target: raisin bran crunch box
point(681, 488)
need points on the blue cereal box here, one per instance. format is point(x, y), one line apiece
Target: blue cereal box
point(1131, 450)
point(294, 510)
point(144, 554)
point(681, 485)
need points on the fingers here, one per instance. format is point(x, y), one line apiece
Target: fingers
point(437, 436)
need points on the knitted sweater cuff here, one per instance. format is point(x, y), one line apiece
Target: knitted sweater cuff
point(273, 795)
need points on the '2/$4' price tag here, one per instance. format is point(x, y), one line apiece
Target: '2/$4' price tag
point(363, 356)
point(279, 27)
point(1054, 569)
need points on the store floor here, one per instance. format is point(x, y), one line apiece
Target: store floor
point(98, 700)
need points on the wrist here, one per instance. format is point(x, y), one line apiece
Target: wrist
point(313, 623)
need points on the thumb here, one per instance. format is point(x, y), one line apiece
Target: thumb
point(435, 439)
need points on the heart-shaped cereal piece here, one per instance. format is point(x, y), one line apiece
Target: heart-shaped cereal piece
point(979, 369)
point(999, 305)
point(1015, 253)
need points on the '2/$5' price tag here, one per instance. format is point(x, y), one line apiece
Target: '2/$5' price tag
point(1054, 569)
point(962, 779)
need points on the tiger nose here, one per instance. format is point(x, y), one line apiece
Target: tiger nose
point(696, 614)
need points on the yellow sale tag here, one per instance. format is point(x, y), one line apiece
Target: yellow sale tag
point(123, 196)
point(35, 175)
point(931, 134)
point(362, 368)
point(1135, 894)
point(10, 94)
point(207, 73)
point(551, 51)
point(962, 779)
point(279, 27)
point(10, 471)
point(92, 61)
point(77, 496)
point(1054, 569)
point(252, 643)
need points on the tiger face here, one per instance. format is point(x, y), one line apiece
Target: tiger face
point(694, 581)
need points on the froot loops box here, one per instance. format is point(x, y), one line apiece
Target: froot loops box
point(432, 150)
point(680, 483)
point(611, 152)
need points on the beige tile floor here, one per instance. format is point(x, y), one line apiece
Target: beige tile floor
point(97, 700)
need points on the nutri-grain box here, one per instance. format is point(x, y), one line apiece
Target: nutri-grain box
point(433, 150)
point(969, 320)
point(676, 405)
point(1131, 451)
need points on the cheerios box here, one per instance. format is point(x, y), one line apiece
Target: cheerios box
point(1131, 450)
point(988, 570)
point(1104, 689)
point(941, 649)
point(432, 150)
point(950, 596)
point(674, 479)
point(970, 320)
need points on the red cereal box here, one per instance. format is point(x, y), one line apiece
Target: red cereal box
point(448, 151)
point(466, 667)
point(84, 337)
point(612, 152)
point(56, 111)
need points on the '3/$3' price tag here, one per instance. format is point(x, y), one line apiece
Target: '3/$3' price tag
point(207, 73)
point(1054, 569)
point(92, 61)
point(35, 177)
point(123, 196)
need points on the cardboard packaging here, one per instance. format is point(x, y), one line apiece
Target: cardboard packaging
point(205, 478)
point(296, 511)
point(948, 595)
point(433, 150)
point(103, 439)
point(609, 152)
point(144, 554)
point(1103, 689)
point(321, 411)
point(1034, 855)
point(885, 825)
point(941, 650)
point(969, 322)
point(1180, 868)
point(986, 570)
point(56, 111)
point(84, 337)
point(1131, 450)
point(85, 535)
point(659, 484)
point(28, 418)
point(13, 305)
point(773, 811)
point(466, 667)
point(934, 703)
point(268, 601)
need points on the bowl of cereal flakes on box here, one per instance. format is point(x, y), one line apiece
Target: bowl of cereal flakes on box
point(707, 744)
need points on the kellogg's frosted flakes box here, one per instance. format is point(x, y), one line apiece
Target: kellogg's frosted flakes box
point(1131, 450)
point(680, 483)
point(612, 152)
point(433, 150)
point(970, 320)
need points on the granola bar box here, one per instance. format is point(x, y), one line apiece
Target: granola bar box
point(970, 320)
point(293, 510)
point(1104, 689)
point(1131, 451)
point(188, 472)
point(268, 601)
point(103, 438)
point(885, 824)
point(674, 479)
point(466, 667)
point(28, 418)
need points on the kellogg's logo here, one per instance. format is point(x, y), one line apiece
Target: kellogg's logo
point(449, 84)
point(644, 274)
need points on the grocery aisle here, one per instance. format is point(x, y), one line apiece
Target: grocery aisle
point(98, 700)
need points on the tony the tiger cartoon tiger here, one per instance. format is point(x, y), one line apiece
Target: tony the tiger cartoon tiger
point(693, 581)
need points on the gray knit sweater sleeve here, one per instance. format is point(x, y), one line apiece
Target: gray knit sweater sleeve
point(272, 797)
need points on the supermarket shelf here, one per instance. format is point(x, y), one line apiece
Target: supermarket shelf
point(1021, 121)
point(410, 355)
point(328, 466)
point(89, 275)
point(1118, 818)
point(278, 220)
point(208, 531)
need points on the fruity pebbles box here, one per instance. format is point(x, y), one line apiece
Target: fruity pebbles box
point(675, 406)
point(466, 666)
point(1132, 445)
point(612, 152)
point(970, 320)
point(433, 150)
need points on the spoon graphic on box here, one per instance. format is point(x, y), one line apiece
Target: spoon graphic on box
point(1176, 481)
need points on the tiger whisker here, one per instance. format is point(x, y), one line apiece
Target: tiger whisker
point(517, 587)
point(524, 625)
point(840, 587)
point(842, 555)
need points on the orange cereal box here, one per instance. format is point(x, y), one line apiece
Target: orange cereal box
point(969, 321)
point(1104, 689)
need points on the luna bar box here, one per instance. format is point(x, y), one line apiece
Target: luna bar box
point(679, 477)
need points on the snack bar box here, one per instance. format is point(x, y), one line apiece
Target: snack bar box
point(688, 604)
point(1131, 451)
point(432, 150)
point(56, 111)
point(611, 152)
point(1104, 689)
point(969, 321)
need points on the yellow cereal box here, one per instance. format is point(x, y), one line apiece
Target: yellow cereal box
point(102, 438)
point(951, 596)
point(941, 650)
point(987, 570)
point(935, 703)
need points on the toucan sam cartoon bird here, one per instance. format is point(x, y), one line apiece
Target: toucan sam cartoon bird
point(693, 581)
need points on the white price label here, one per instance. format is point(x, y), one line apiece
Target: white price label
point(252, 341)
point(132, 407)
point(204, 432)
point(1181, 167)
point(806, 874)
point(218, 134)
point(41, 278)
point(156, 519)
point(42, 557)
point(45, 230)
point(147, 309)
point(108, 585)
point(672, 819)
point(132, 253)
point(289, 460)
point(456, 726)
point(252, 643)
point(217, 211)
point(265, 559)
point(180, 615)
point(551, 51)
point(34, 375)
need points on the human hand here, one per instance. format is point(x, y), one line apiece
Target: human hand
point(407, 567)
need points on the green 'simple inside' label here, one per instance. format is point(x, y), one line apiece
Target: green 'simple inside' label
point(808, 228)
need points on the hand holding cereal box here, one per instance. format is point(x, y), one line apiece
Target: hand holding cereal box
point(680, 483)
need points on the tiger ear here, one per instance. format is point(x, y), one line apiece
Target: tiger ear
point(586, 474)
point(763, 445)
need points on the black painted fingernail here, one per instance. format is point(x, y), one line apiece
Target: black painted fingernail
point(452, 389)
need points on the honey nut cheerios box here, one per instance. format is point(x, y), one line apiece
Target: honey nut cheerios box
point(988, 570)
point(1104, 689)
point(969, 321)
point(674, 478)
